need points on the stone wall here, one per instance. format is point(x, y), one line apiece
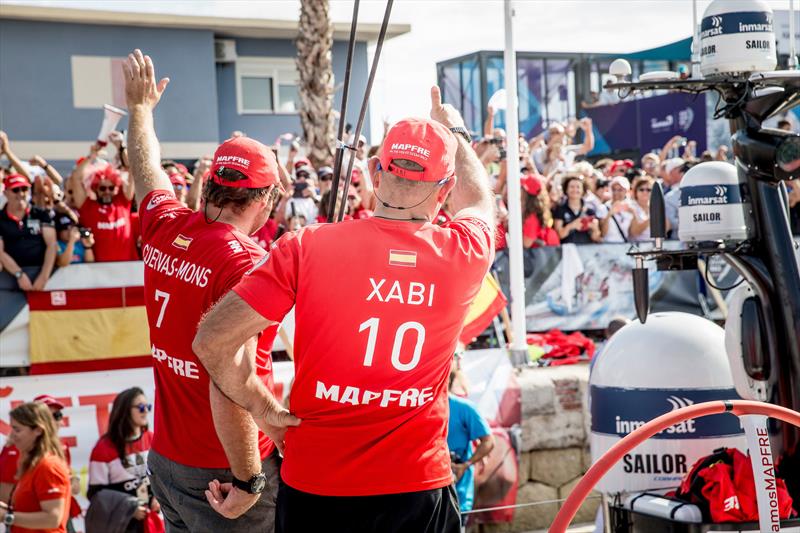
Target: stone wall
point(555, 445)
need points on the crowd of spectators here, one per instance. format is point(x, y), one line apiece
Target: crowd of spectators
point(49, 221)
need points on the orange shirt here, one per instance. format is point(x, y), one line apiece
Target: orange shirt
point(48, 480)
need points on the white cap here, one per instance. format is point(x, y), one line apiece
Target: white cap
point(622, 181)
point(672, 164)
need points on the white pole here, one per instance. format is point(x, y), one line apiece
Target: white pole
point(696, 74)
point(792, 51)
point(519, 345)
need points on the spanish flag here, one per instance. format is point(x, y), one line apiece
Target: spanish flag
point(88, 329)
point(487, 304)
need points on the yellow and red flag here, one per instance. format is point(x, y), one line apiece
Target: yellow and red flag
point(487, 304)
point(88, 329)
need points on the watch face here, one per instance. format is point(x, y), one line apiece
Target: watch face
point(258, 484)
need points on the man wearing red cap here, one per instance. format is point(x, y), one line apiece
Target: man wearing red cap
point(379, 304)
point(109, 215)
point(27, 234)
point(191, 259)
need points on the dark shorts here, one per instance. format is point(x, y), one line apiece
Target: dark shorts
point(181, 490)
point(430, 511)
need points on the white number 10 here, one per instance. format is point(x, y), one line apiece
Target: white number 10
point(373, 323)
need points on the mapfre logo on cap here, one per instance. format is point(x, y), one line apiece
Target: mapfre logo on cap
point(405, 148)
point(233, 160)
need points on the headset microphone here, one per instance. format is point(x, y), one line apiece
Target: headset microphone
point(390, 206)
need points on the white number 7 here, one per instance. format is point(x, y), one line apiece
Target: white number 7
point(159, 296)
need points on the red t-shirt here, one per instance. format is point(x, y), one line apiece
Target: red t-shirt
point(379, 305)
point(48, 480)
point(266, 234)
point(111, 225)
point(189, 266)
point(8, 463)
point(532, 229)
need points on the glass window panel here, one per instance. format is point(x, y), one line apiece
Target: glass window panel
point(288, 98)
point(557, 89)
point(529, 89)
point(256, 93)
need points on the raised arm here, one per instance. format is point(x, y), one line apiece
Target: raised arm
point(588, 136)
point(49, 169)
point(143, 94)
point(5, 148)
point(472, 190)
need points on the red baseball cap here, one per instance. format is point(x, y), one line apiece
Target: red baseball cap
point(425, 142)
point(531, 184)
point(251, 158)
point(176, 178)
point(49, 401)
point(620, 163)
point(302, 162)
point(16, 180)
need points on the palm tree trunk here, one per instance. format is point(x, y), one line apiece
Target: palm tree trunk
point(314, 43)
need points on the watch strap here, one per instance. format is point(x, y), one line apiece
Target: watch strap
point(249, 485)
point(463, 132)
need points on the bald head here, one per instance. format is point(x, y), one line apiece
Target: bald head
point(422, 199)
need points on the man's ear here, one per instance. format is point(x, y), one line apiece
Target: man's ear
point(373, 164)
point(374, 174)
point(445, 189)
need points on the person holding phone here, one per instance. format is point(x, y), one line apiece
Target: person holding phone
point(575, 222)
point(304, 195)
point(75, 244)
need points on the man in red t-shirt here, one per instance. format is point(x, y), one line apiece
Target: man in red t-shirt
point(379, 304)
point(204, 445)
point(109, 215)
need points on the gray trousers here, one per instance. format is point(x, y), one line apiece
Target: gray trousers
point(181, 490)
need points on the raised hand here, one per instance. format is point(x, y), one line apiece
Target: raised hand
point(141, 87)
point(444, 113)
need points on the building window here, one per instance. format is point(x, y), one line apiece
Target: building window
point(266, 85)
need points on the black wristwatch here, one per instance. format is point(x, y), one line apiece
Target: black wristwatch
point(254, 485)
point(9, 518)
point(463, 132)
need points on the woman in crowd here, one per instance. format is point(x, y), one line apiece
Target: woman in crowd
point(640, 225)
point(40, 499)
point(119, 459)
point(576, 222)
point(536, 217)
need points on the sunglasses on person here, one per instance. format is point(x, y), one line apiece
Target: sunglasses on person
point(326, 177)
point(144, 407)
point(178, 187)
point(105, 188)
point(57, 416)
point(20, 190)
point(645, 189)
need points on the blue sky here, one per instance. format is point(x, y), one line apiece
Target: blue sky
point(441, 29)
